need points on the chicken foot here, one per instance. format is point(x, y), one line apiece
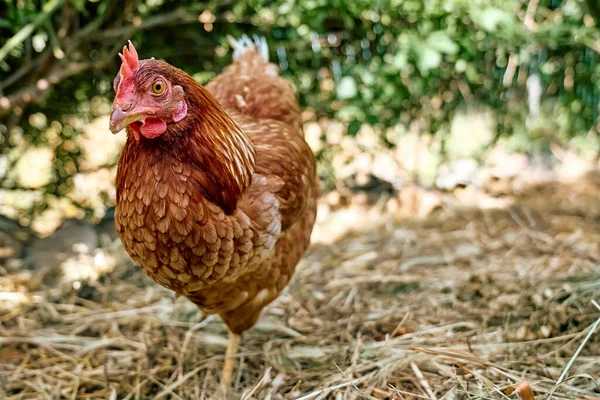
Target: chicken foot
point(230, 353)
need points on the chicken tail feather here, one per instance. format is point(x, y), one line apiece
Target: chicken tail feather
point(245, 43)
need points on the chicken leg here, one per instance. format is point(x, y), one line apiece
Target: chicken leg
point(227, 374)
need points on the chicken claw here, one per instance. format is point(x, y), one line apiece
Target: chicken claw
point(230, 355)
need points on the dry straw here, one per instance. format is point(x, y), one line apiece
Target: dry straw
point(463, 304)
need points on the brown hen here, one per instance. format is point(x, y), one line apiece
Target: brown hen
point(216, 187)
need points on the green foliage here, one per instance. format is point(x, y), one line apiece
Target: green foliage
point(392, 60)
point(377, 62)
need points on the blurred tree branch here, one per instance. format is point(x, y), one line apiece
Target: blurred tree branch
point(178, 16)
point(34, 92)
point(28, 29)
point(60, 61)
point(530, 14)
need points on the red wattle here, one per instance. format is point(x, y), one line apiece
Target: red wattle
point(153, 127)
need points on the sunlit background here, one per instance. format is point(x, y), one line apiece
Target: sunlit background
point(392, 90)
point(457, 146)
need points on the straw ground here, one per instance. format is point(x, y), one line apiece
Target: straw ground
point(490, 301)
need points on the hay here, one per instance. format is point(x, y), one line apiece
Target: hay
point(466, 303)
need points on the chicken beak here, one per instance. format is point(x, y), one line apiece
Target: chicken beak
point(119, 119)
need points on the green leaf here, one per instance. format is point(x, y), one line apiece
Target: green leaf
point(4, 23)
point(427, 59)
point(350, 112)
point(367, 78)
point(400, 61)
point(461, 66)
point(80, 6)
point(354, 127)
point(441, 42)
point(347, 88)
point(491, 18)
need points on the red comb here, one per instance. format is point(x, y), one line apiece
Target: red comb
point(129, 57)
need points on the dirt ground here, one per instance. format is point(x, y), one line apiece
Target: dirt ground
point(492, 300)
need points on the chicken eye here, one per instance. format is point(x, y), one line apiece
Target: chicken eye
point(158, 87)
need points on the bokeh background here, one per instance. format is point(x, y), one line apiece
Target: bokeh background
point(392, 90)
point(457, 245)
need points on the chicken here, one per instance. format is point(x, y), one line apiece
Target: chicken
point(216, 187)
